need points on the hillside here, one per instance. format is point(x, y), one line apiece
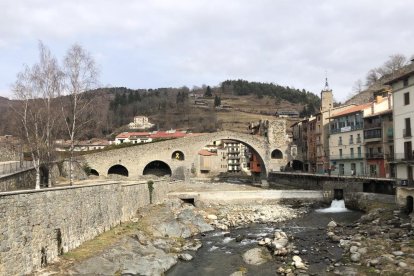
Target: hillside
point(170, 108)
point(368, 94)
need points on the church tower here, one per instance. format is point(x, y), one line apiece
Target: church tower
point(326, 97)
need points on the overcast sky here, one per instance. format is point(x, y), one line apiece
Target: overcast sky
point(160, 43)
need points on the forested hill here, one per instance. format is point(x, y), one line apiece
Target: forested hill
point(115, 107)
point(310, 101)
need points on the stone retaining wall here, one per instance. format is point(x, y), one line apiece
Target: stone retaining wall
point(41, 224)
point(17, 181)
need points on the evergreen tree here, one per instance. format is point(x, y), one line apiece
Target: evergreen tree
point(217, 101)
point(208, 93)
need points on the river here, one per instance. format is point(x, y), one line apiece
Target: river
point(221, 253)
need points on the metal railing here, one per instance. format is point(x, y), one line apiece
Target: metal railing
point(407, 156)
point(345, 156)
point(406, 132)
point(14, 166)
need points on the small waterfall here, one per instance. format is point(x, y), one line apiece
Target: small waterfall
point(337, 206)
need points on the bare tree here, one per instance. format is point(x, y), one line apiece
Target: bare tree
point(358, 86)
point(372, 77)
point(47, 78)
point(35, 89)
point(80, 75)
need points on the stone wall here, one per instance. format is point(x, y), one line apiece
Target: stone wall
point(402, 194)
point(135, 158)
point(18, 181)
point(41, 224)
point(8, 152)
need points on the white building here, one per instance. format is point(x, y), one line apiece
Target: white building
point(140, 122)
point(403, 113)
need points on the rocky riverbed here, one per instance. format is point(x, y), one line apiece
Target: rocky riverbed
point(252, 240)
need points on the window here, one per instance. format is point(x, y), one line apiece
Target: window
point(407, 98)
point(359, 152)
point(407, 130)
point(405, 82)
point(352, 152)
point(351, 139)
point(340, 140)
point(358, 138)
point(340, 153)
point(341, 169)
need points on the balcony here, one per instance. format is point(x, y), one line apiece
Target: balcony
point(351, 141)
point(372, 125)
point(233, 157)
point(374, 155)
point(358, 140)
point(407, 132)
point(347, 128)
point(405, 156)
point(340, 143)
point(346, 157)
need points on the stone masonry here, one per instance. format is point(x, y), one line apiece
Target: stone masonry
point(134, 159)
point(36, 226)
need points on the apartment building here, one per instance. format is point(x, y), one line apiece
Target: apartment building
point(403, 113)
point(346, 141)
point(378, 137)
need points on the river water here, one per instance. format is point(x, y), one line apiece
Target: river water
point(221, 254)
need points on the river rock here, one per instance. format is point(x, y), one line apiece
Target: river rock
point(353, 249)
point(332, 224)
point(237, 273)
point(355, 257)
point(256, 256)
point(362, 250)
point(212, 217)
point(402, 265)
point(397, 253)
point(185, 257)
point(278, 244)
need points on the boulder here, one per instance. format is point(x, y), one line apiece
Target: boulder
point(256, 256)
point(355, 257)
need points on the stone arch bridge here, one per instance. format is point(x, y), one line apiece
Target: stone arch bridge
point(136, 158)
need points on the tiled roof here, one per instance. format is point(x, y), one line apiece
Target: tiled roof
point(206, 153)
point(351, 110)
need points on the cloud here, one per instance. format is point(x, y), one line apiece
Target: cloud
point(171, 43)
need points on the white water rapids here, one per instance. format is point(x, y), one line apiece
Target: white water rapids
point(337, 206)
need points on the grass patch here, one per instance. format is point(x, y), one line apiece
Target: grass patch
point(101, 242)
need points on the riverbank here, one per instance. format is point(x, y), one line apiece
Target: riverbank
point(161, 235)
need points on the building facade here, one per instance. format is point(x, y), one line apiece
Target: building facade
point(403, 113)
point(378, 138)
point(346, 141)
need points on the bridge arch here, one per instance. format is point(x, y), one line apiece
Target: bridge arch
point(93, 172)
point(157, 168)
point(119, 170)
point(276, 154)
point(252, 142)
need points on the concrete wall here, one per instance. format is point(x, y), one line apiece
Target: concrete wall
point(18, 181)
point(60, 219)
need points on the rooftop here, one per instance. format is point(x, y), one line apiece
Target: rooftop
point(351, 110)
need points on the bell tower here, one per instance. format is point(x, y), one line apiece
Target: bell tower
point(326, 97)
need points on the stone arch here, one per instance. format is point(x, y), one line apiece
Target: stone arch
point(44, 175)
point(276, 154)
point(119, 170)
point(178, 155)
point(410, 204)
point(256, 147)
point(93, 172)
point(297, 165)
point(157, 168)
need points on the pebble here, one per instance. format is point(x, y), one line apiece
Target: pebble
point(402, 265)
point(332, 224)
point(185, 257)
point(398, 253)
point(355, 257)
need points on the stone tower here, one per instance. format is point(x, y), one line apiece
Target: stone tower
point(326, 97)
